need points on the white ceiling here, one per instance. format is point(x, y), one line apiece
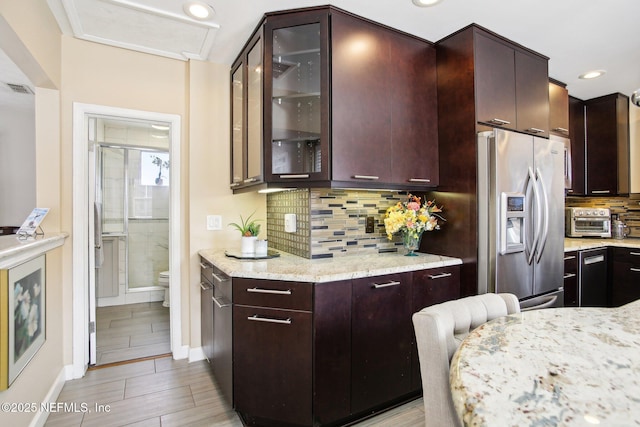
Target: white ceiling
point(576, 35)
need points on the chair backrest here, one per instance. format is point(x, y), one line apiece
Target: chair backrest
point(440, 329)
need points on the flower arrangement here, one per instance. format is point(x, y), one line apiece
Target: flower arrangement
point(412, 217)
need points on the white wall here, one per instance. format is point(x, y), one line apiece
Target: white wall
point(17, 162)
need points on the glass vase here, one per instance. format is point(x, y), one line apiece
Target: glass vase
point(411, 242)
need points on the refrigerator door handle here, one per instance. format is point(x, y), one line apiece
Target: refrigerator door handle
point(544, 217)
point(532, 182)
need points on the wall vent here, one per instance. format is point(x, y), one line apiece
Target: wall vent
point(18, 88)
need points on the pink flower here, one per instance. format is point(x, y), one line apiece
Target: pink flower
point(414, 206)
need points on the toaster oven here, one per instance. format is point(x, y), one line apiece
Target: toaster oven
point(587, 222)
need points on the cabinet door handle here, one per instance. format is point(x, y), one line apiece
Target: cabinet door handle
point(569, 275)
point(562, 130)
point(219, 304)
point(635, 269)
point(205, 286)
point(439, 276)
point(594, 259)
point(500, 122)
point(269, 291)
point(218, 278)
point(257, 318)
point(634, 253)
point(249, 180)
point(567, 258)
point(299, 176)
point(385, 285)
point(601, 191)
point(419, 180)
point(234, 184)
point(204, 266)
point(369, 177)
point(534, 130)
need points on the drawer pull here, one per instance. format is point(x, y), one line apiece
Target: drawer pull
point(385, 285)
point(562, 130)
point(567, 258)
point(439, 276)
point(601, 192)
point(637, 270)
point(257, 318)
point(569, 275)
point(369, 177)
point(269, 291)
point(634, 253)
point(204, 266)
point(218, 278)
point(419, 180)
point(219, 304)
point(593, 260)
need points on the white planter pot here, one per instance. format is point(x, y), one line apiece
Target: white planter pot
point(248, 245)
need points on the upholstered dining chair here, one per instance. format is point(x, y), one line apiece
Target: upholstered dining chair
point(440, 329)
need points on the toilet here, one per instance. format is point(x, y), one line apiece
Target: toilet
point(163, 280)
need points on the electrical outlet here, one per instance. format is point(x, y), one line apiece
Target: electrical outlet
point(369, 225)
point(214, 222)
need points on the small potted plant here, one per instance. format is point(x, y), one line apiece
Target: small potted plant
point(249, 229)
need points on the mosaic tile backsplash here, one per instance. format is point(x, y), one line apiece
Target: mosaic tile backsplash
point(330, 222)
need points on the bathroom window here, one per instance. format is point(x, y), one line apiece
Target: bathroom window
point(154, 168)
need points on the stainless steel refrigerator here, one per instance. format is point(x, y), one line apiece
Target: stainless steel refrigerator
point(521, 217)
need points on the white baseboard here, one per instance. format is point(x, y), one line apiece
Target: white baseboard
point(196, 354)
point(65, 374)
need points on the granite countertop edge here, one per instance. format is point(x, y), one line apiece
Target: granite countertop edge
point(289, 267)
point(580, 244)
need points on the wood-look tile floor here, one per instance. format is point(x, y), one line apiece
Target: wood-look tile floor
point(164, 392)
point(131, 331)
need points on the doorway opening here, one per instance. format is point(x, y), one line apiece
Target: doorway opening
point(126, 235)
point(132, 213)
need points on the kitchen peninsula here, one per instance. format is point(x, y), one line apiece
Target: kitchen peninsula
point(560, 366)
point(318, 342)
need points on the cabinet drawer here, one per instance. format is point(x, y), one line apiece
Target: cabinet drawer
point(206, 271)
point(273, 293)
point(435, 286)
point(627, 255)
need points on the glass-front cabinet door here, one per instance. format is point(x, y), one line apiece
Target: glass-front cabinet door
point(246, 115)
point(237, 125)
point(296, 107)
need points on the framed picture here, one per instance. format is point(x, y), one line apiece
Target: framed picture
point(23, 303)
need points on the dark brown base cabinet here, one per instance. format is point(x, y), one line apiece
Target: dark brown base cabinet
point(571, 279)
point(625, 276)
point(329, 353)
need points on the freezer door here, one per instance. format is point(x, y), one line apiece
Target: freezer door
point(549, 256)
point(510, 166)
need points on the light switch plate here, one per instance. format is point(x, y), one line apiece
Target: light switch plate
point(214, 222)
point(290, 223)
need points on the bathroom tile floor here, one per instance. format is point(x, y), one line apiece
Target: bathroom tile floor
point(166, 392)
point(131, 331)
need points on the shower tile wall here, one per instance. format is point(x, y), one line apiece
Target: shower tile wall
point(331, 223)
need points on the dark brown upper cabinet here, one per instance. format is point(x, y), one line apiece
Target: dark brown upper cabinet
point(246, 115)
point(346, 102)
point(607, 145)
point(578, 147)
point(511, 84)
point(558, 109)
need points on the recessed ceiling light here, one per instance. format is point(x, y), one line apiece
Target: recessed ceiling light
point(425, 3)
point(198, 10)
point(592, 74)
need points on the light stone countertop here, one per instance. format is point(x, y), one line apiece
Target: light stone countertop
point(551, 367)
point(573, 244)
point(289, 267)
point(14, 251)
